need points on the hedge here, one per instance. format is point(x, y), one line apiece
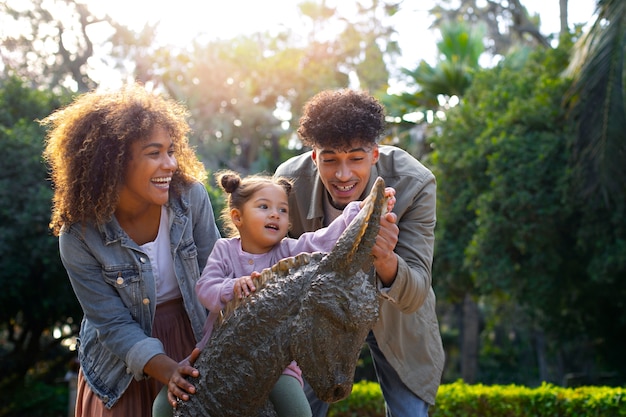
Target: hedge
point(463, 400)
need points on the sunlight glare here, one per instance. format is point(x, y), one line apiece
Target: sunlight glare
point(183, 21)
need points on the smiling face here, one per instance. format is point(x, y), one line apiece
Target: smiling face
point(149, 172)
point(264, 219)
point(345, 173)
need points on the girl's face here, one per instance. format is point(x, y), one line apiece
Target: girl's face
point(263, 220)
point(149, 172)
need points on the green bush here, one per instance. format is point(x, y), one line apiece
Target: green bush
point(366, 400)
point(462, 400)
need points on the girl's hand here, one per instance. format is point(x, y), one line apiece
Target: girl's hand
point(390, 193)
point(244, 286)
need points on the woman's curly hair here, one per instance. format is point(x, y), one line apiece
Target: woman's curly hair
point(241, 190)
point(337, 118)
point(88, 149)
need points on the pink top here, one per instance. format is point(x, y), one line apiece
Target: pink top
point(228, 261)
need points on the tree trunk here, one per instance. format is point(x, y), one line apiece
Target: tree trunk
point(469, 342)
point(542, 363)
point(563, 16)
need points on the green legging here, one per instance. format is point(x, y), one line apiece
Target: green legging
point(161, 407)
point(289, 399)
point(287, 396)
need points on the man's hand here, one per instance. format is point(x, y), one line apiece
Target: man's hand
point(385, 259)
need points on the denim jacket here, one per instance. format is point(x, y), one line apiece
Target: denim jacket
point(113, 281)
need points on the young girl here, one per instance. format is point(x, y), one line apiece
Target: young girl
point(257, 220)
point(135, 228)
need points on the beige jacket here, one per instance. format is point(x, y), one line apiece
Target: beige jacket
point(407, 331)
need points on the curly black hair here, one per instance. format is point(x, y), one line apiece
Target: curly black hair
point(340, 119)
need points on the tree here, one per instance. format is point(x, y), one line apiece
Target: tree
point(36, 297)
point(233, 89)
point(508, 23)
point(245, 94)
point(459, 50)
point(513, 233)
point(51, 52)
point(596, 107)
point(596, 102)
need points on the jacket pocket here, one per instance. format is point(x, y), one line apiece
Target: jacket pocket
point(188, 253)
point(129, 285)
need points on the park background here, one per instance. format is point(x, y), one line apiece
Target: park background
point(521, 119)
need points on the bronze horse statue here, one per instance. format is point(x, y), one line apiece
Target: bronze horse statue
point(314, 308)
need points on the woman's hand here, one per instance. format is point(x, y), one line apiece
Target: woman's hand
point(178, 386)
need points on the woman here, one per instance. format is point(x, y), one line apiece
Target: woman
point(135, 228)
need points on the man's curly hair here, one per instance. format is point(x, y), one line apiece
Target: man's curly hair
point(340, 118)
point(88, 150)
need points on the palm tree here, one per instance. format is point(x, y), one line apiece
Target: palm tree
point(460, 48)
point(596, 102)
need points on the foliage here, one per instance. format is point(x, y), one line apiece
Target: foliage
point(365, 400)
point(232, 89)
point(509, 223)
point(245, 94)
point(38, 399)
point(459, 399)
point(508, 22)
point(597, 107)
point(460, 49)
point(530, 213)
point(36, 296)
point(218, 202)
point(47, 51)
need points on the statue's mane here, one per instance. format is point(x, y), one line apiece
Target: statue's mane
point(267, 275)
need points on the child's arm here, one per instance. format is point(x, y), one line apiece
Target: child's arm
point(215, 287)
point(325, 238)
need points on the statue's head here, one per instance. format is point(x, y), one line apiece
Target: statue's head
point(331, 329)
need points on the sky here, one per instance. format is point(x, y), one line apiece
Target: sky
point(182, 20)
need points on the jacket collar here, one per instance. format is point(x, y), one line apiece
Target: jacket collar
point(112, 232)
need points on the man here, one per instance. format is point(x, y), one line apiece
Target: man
point(342, 128)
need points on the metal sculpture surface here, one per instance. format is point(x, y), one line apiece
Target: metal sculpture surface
point(314, 308)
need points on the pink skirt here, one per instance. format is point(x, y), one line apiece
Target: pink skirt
point(172, 327)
